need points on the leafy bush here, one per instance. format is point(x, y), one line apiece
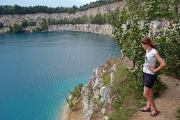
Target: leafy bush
point(43, 27)
point(178, 115)
point(15, 29)
point(75, 94)
point(24, 24)
point(98, 19)
point(32, 23)
point(1, 25)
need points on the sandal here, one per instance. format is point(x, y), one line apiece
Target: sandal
point(154, 113)
point(145, 109)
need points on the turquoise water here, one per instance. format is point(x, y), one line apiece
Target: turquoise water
point(38, 69)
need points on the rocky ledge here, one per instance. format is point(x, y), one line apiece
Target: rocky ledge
point(96, 91)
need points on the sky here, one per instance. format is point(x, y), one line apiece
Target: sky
point(49, 3)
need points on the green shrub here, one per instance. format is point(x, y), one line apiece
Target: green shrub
point(1, 25)
point(24, 24)
point(15, 29)
point(178, 115)
point(75, 94)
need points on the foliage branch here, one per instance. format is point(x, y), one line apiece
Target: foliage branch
point(75, 95)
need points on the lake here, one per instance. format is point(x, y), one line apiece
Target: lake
point(38, 69)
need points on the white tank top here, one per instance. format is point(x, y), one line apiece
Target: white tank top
point(150, 60)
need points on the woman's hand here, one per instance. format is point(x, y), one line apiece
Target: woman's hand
point(152, 69)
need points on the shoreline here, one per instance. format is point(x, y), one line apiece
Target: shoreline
point(64, 113)
point(77, 114)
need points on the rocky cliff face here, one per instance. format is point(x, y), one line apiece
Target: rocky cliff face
point(10, 20)
point(96, 92)
point(105, 29)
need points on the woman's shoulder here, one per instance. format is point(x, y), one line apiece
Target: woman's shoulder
point(154, 51)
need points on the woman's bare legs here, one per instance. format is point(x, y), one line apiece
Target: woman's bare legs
point(148, 94)
point(148, 103)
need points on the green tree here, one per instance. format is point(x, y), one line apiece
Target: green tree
point(75, 94)
point(84, 19)
point(98, 19)
point(24, 24)
point(17, 9)
point(32, 23)
point(44, 25)
point(49, 21)
point(1, 9)
point(1, 25)
point(15, 29)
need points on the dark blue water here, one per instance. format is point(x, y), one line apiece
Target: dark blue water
point(38, 69)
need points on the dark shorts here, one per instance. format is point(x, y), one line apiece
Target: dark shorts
point(148, 80)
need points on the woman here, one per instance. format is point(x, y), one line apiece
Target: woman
point(149, 74)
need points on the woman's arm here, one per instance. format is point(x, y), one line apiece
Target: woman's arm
point(161, 66)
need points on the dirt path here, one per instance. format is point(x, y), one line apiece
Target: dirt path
point(168, 103)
